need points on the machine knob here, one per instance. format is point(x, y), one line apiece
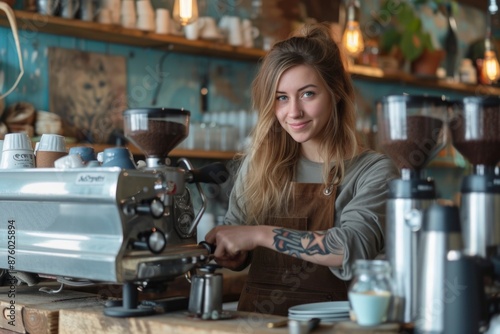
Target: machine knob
point(156, 241)
point(155, 208)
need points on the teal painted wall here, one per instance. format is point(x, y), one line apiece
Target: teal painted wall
point(228, 85)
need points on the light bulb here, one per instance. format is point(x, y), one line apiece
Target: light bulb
point(353, 39)
point(491, 68)
point(185, 11)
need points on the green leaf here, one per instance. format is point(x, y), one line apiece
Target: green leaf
point(405, 14)
point(413, 25)
point(412, 46)
point(390, 38)
point(427, 41)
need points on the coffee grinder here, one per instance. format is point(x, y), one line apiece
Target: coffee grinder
point(475, 129)
point(475, 134)
point(411, 132)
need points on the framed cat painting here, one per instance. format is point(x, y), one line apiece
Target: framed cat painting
point(88, 91)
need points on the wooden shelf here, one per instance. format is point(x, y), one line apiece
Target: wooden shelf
point(35, 22)
point(176, 153)
point(374, 74)
point(200, 154)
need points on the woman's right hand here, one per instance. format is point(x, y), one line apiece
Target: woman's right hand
point(233, 244)
point(236, 262)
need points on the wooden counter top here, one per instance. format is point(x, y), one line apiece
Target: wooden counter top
point(68, 312)
point(90, 320)
point(38, 312)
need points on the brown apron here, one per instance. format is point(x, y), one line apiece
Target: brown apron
point(277, 281)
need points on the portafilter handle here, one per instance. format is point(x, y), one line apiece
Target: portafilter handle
point(213, 173)
point(216, 173)
point(208, 246)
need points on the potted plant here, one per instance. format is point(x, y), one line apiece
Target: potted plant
point(404, 36)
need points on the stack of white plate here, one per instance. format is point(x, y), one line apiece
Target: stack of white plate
point(327, 311)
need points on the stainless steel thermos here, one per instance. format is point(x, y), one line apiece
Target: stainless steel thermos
point(450, 295)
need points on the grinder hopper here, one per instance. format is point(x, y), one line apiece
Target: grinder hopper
point(410, 130)
point(156, 131)
point(475, 133)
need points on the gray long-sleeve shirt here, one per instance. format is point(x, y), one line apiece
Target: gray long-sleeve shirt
point(360, 206)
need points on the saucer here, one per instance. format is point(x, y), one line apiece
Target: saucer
point(321, 308)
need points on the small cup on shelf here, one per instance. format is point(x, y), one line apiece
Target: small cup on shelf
point(17, 151)
point(50, 148)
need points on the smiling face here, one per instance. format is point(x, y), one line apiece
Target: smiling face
point(303, 107)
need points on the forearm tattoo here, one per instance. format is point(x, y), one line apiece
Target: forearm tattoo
point(296, 243)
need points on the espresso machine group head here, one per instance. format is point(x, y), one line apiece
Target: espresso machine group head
point(411, 131)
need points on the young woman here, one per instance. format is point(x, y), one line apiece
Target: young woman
point(308, 200)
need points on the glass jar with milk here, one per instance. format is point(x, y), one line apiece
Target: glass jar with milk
point(370, 291)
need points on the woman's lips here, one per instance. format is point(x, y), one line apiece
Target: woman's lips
point(298, 126)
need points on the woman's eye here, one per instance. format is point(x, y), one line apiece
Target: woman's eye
point(281, 98)
point(308, 94)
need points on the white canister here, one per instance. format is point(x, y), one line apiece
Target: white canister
point(162, 21)
point(17, 152)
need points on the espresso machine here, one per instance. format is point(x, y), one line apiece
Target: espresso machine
point(109, 225)
point(411, 131)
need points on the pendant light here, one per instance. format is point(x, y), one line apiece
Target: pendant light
point(352, 39)
point(185, 11)
point(491, 68)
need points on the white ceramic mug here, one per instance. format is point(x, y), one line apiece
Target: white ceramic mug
point(144, 7)
point(210, 29)
point(162, 21)
point(192, 30)
point(145, 15)
point(128, 14)
point(105, 16)
point(52, 142)
point(146, 22)
point(114, 7)
point(17, 152)
point(231, 26)
point(250, 33)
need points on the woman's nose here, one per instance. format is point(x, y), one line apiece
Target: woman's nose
point(295, 110)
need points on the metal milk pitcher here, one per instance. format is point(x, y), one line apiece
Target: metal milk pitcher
point(206, 292)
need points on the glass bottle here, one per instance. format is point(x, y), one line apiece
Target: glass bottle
point(370, 291)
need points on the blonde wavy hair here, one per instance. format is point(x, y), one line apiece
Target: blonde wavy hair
point(273, 153)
